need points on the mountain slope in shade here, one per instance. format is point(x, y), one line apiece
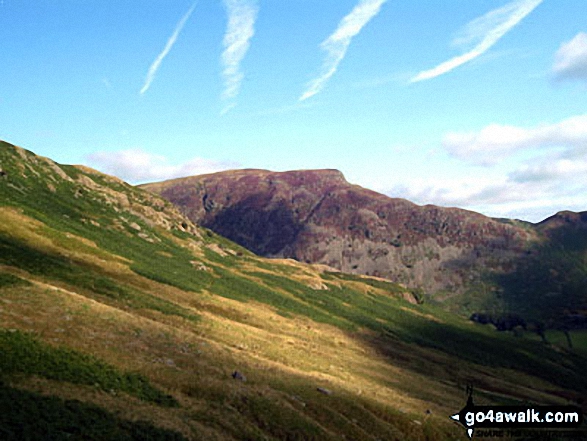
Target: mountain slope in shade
point(317, 216)
point(120, 319)
point(552, 276)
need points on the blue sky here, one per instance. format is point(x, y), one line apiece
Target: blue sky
point(476, 104)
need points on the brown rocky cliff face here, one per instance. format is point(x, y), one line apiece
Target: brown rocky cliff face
point(317, 216)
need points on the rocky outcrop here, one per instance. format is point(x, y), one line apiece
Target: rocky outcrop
point(85, 183)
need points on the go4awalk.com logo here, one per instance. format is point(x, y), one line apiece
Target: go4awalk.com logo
point(517, 417)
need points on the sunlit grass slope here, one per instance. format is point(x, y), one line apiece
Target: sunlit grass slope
point(119, 319)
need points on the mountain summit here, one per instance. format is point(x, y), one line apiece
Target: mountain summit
point(317, 216)
point(465, 260)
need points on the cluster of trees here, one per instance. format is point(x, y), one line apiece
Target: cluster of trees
point(517, 324)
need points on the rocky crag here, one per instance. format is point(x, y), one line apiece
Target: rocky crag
point(316, 216)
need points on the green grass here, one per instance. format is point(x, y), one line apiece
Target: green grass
point(15, 253)
point(281, 425)
point(24, 354)
point(80, 275)
point(291, 409)
point(10, 280)
point(29, 416)
point(270, 292)
point(453, 336)
point(381, 284)
point(578, 338)
point(63, 212)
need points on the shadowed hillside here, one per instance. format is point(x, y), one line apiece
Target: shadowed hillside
point(550, 280)
point(121, 319)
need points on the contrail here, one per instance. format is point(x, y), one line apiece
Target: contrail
point(489, 28)
point(338, 42)
point(153, 69)
point(239, 31)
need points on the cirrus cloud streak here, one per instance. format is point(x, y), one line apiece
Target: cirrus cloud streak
point(488, 28)
point(155, 66)
point(242, 15)
point(337, 43)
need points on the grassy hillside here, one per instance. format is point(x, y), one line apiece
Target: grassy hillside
point(119, 319)
point(551, 281)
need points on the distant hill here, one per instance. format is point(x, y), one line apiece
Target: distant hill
point(122, 319)
point(467, 261)
point(551, 277)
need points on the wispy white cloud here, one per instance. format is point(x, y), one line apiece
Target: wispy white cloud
point(242, 15)
point(570, 166)
point(153, 69)
point(570, 61)
point(460, 192)
point(486, 30)
point(338, 42)
point(137, 165)
point(494, 142)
